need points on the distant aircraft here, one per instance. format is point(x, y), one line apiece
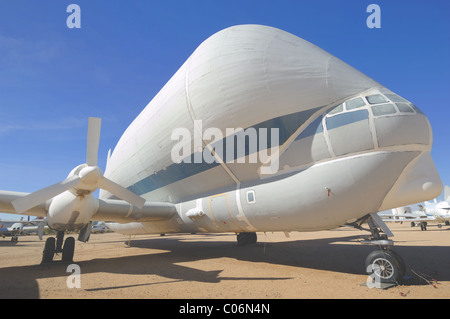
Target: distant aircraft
point(258, 131)
point(437, 211)
point(99, 228)
point(15, 228)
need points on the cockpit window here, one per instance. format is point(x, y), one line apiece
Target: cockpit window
point(375, 99)
point(383, 109)
point(337, 109)
point(354, 104)
point(395, 98)
point(416, 109)
point(405, 108)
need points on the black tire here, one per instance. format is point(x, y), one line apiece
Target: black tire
point(246, 239)
point(401, 263)
point(49, 250)
point(384, 267)
point(68, 249)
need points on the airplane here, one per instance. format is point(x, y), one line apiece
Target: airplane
point(15, 228)
point(99, 228)
point(436, 211)
point(333, 147)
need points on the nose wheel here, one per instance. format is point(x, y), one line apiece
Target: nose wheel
point(385, 267)
point(55, 246)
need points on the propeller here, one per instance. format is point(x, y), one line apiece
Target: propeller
point(84, 179)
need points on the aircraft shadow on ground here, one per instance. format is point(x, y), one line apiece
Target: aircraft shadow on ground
point(329, 254)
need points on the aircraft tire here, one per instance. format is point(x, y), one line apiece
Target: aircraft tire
point(49, 250)
point(385, 267)
point(246, 239)
point(401, 263)
point(68, 249)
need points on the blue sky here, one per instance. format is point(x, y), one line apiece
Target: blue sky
point(53, 78)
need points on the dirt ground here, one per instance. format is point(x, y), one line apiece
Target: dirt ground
point(326, 264)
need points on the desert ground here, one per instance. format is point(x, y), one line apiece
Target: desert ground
point(325, 264)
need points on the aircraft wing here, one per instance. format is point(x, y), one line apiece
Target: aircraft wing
point(106, 209)
point(25, 223)
point(389, 217)
point(412, 219)
point(7, 197)
point(122, 212)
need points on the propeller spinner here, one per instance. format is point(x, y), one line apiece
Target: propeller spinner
point(84, 179)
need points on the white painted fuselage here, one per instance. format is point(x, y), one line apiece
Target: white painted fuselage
point(347, 145)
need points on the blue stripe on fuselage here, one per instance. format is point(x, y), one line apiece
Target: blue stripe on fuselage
point(287, 126)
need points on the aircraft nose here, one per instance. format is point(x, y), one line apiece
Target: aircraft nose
point(399, 122)
point(400, 126)
point(419, 182)
point(408, 130)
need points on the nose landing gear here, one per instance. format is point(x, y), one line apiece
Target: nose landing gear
point(384, 266)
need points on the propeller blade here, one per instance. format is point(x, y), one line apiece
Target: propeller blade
point(40, 230)
point(41, 196)
point(93, 140)
point(121, 192)
point(109, 156)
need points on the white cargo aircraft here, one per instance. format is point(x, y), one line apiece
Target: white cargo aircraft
point(436, 211)
point(347, 148)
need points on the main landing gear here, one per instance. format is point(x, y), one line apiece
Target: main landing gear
point(246, 239)
point(384, 266)
point(53, 247)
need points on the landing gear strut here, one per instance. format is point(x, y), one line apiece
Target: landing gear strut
point(384, 266)
point(53, 247)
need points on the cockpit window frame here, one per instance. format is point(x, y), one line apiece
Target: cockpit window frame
point(388, 98)
point(382, 107)
point(371, 101)
point(360, 99)
point(333, 111)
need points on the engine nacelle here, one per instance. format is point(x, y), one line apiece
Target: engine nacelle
point(69, 211)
